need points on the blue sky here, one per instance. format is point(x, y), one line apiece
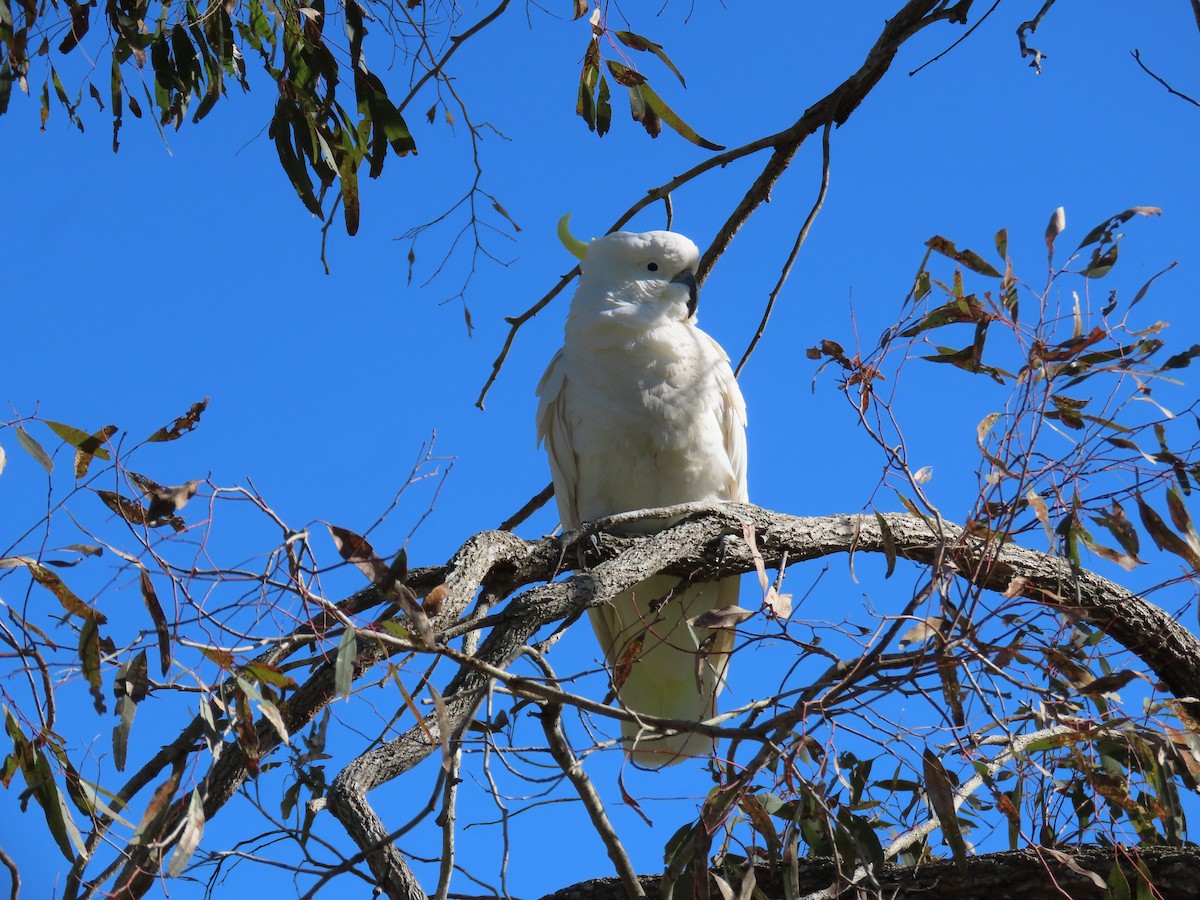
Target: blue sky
point(140, 282)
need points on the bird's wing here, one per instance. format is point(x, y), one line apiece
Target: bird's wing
point(554, 431)
point(731, 415)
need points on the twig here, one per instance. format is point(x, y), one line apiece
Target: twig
point(1138, 59)
point(514, 325)
point(325, 229)
point(13, 872)
point(800, 239)
point(536, 502)
point(456, 41)
point(966, 34)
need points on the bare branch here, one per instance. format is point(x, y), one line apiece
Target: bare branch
point(569, 763)
point(1138, 59)
point(1026, 29)
point(799, 242)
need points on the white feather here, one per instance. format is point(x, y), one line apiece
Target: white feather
point(640, 409)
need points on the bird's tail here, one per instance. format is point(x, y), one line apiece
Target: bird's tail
point(662, 666)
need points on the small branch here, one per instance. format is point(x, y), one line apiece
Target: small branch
point(456, 41)
point(514, 325)
point(1026, 29)
point(14, 874)
point(534, 503)
point(1138, 59)
point(567, 761)
point(800, 239)
point(966, 34)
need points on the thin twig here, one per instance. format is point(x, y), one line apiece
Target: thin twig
point(800, 239)
point(456, 41)
point(536, 502)
point(1138, 59)
point(514, 325)
point(966, 34)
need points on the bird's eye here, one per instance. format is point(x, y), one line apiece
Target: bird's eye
point(652, 267)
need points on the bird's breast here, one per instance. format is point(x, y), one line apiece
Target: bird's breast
point(646, 422)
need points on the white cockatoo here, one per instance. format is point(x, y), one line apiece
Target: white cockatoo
point(640, 409)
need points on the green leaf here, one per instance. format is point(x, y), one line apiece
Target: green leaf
point(1163, 537)
point(668, 115)
point(387, 116)
point(89, 659)
point(211, 96)
point(54, 807)
point(354, 31)
point(281, 133)
point(130, 687)
point(1002, 243)
point(343, 669)
point(637, 42)
point(967, 309)
point(34, 449)
point(1145, 287)
point(921, 287)
point(81, 440)
point(603, 108)
point(1181, 360)
point(348, 171)
point(1101, 262)
point(940, 792)
point(189, 840)
point(6, 83)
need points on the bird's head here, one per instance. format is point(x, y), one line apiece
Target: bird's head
point(635, 279)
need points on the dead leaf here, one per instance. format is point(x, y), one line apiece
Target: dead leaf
point(1069, 861)
point(721, 617)
point(434, 600)
point(922, 631)
point(169, 500)
point(624, 666)
point(356, 549)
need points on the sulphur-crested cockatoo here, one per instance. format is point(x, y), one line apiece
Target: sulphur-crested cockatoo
point(640, 409)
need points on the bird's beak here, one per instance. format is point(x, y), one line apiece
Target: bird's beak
point(688, 277)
